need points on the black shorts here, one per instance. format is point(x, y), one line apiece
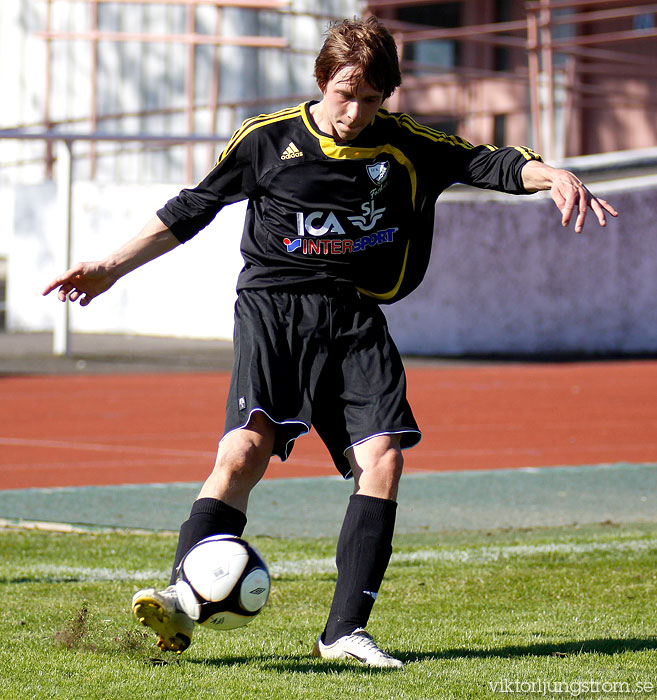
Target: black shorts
point(325, 359)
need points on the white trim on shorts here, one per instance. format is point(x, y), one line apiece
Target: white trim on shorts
point(257, 409)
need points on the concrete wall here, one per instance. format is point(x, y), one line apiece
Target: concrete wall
point(188, 292)
point(504, 276)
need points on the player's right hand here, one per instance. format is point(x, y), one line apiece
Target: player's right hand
point(84, 281)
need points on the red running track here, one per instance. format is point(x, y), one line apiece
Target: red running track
point(118, 429)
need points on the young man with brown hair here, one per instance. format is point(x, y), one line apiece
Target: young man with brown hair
point(340, 218)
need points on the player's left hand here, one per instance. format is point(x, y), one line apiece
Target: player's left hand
point(572, 197)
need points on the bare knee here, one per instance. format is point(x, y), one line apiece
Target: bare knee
point(242, 460)
point(377, 466)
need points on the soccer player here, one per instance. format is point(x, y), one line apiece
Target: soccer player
point(341, 197)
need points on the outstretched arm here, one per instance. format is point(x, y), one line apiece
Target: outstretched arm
point(85, 281)
point(568, 193)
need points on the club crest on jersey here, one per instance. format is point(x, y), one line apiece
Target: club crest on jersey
point(378, 172)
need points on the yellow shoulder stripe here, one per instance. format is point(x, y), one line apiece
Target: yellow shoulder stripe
point(528, 153)
point(406, 121)
point(253, 123)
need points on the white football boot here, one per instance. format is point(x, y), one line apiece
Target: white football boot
point(359, 646)
point(160, 611)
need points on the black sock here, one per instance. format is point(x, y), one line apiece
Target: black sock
point(209, 516)
point(364, 549)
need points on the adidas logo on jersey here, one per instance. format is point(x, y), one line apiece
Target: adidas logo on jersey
point(291, 152)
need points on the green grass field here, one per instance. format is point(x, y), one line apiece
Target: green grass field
point(566, 612)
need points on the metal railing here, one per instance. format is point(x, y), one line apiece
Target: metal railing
point(599, 44)
point(588, 51)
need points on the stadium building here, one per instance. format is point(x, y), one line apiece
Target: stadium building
point(146, 92)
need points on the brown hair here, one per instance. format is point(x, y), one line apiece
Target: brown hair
point(365, 45)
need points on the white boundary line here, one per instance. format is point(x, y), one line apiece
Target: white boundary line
point(326, 565)
point(479, 555)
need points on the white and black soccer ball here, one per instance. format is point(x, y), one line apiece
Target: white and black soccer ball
point(223, 582)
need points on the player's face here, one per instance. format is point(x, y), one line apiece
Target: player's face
point(347, 107)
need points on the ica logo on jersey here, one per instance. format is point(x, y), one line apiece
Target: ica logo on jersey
point(318, 223)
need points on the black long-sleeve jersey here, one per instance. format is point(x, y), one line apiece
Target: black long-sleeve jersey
point(360, 212)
